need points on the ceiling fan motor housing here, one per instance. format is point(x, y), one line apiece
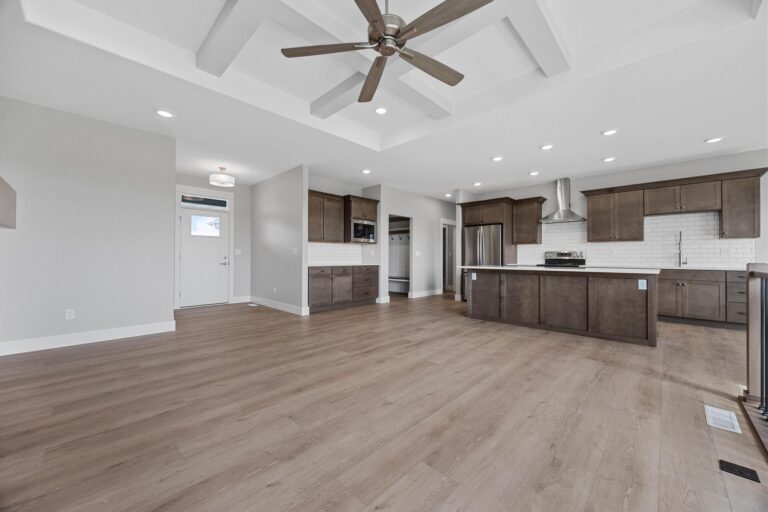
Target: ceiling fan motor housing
point(387, 45)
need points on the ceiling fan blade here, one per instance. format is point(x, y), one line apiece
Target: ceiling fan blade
point(372, 81)
point(432, 67)
point(322, 49)
point(438, 16)
point(372, 13)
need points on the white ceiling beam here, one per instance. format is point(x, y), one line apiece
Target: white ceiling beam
point(236, 24)
point(536, 27)
point(411, 89)
point(338, 98)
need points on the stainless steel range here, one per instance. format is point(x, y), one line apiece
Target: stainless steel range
point(563, 259)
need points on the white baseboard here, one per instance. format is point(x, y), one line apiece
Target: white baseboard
point(240, 300)
point(425, 293)
point(383, 300)
point(81, 338)
point(457, 297)
point(282, 306)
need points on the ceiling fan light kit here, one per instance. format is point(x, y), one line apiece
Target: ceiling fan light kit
point(388, 35)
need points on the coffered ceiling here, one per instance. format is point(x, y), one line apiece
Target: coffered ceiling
point(537, 71)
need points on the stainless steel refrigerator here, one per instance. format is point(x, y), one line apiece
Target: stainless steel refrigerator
point(482, 245)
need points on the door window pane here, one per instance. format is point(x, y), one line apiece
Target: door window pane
point(205, 226)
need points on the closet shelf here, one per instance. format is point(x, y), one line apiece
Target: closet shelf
point(400, 279)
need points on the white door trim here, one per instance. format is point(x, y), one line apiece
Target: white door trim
point(207, 192)
point(443, 223)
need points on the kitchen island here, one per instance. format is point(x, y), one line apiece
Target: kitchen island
point(612, 303)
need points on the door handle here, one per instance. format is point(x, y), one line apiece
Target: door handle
point(224, 264)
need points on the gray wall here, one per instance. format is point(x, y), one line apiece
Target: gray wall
point(713, 165)
point(426, 236)
point(7, 205)
point(94, 225)
point(242, 218)
point(279, 241)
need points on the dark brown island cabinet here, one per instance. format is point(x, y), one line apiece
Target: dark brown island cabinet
point(343, 286)
point(617, 214)
point(715, 295)
point(619, 306)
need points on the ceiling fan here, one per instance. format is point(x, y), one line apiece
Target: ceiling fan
point(388, 35)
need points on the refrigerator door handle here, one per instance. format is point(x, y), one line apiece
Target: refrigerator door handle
point(480, 255)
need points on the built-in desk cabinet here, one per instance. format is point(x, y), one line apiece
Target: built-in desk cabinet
point(334, 287)
point(326, 217)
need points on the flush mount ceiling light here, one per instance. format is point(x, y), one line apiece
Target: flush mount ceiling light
point(609, 159)
point(547, 147)
point(167, 114)
point(366, 171)
point(478, 183)
point(713, 140)
point(448, 195)
point(219, 179)
point(381, 111)
point(498, 158)
point(608, 133)
point(533, 173)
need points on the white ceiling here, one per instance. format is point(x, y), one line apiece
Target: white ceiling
point(668, 74)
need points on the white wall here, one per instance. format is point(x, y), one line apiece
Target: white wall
point(7, 205)
point(279, 241)
point(242, 220)
point(94, 231)
point(426, 237)
point(333, 187)
point(698, 237)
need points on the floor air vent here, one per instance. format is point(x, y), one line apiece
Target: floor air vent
point(720, 418)
point(743, 472)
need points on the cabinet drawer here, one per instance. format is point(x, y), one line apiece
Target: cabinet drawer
point(737, 312)
point(368, 293)
point(320, 271)
point(713, 276)
point(365, 280)
point(365, 269)
point(736, 277)
point(737, 292)
point(341, 271)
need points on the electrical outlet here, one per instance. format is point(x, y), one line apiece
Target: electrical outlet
point(69, 314)
point(238, 252)
point(274, 289)
point(295, 251)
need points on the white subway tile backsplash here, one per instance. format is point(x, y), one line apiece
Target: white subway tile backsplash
point(334, 254)
point(702, 245)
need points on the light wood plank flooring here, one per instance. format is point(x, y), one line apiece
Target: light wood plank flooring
point(406, 406)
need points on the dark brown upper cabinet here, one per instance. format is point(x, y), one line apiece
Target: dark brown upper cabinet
point(326, 217)
point(740, 217)
point(696, 197)
point(615, 217)
point(735, 194)
point(481, 214)
point(494, 211)
point(361, 208)
point(527, 220)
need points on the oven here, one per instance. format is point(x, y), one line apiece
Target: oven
point(363, 231)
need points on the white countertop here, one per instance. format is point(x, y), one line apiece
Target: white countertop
point(691, 267)
point(343, 265)
point(591, 270)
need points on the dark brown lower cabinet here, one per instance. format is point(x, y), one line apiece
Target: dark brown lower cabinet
point(486, 294)
point(704, 300)
point(670, 298)
point(332, 287)
point(564, 302)
point(694, 294)
point(522, 298)
point(619, 307)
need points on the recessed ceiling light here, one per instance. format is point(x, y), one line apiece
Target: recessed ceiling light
point(478, 183)
point(534, 173)
point(547, 147)
point(497, 158)
point(713, 140)
point(381, 111)
point(609, 159)
point(165, 113)
point(448, 195)
point(366, 171)
point(610, 132)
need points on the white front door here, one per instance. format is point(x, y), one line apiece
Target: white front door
point(204, 258)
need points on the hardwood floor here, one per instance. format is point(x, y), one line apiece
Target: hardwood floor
point(405, 406)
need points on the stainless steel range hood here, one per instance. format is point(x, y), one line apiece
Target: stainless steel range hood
point(563, 212)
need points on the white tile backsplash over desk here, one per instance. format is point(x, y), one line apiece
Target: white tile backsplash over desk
point(328, 255)
point(702, 245)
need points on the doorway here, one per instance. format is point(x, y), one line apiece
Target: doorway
point(449, 262)
point(399, 256)
point(203, 248)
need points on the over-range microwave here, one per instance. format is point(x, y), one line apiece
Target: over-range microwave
point(363, 231)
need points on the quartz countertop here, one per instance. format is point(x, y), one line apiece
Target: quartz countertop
point(584, 270)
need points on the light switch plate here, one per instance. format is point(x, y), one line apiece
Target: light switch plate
point(642, 284)
point(474, 276)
